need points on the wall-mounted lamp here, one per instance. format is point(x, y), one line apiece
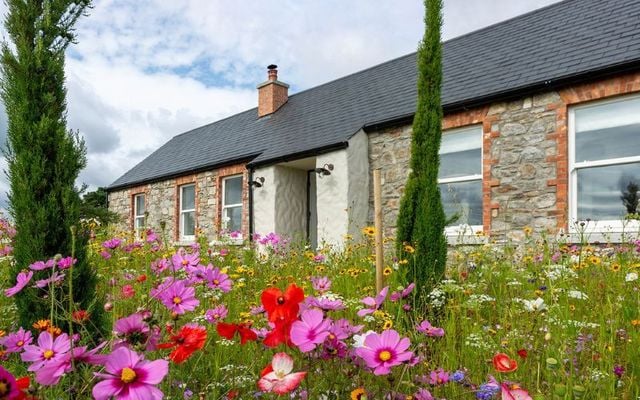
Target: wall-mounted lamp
point(258, 182)
point(324, 170)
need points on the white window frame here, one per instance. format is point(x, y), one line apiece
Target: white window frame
point(139, 219)
point(465, 230)
point(604, 228)
point(225, 206)
point(184, 237)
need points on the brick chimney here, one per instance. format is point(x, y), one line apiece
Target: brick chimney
point(272, 94)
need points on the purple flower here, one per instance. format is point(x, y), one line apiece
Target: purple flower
point(373, 304)
point(48, 350)
point(216, 314)
point(182, 259)
point(66, 263)
point(311, 330)
point(22, 279)
point(342, 329)
point(217, 279)
point(618, 370)
point(10, 385)
point(111, 244)
point(429, 330)
point(151, 236)
point(423, 394)
point(128, 376)
point(333, 348)
point(105, 254)
point(323, 303)
point(54, 278)
point(41, 265)
point(383, 351)
point(457, 376)
point(488, 390)
point(403, 294)
point(321, 284)
point(15, 342)
point(179, 298)
point(159, 265)
point(51, 373)
point(132, 330)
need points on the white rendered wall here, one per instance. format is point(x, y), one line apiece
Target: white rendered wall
point(358, 161)
point(264, 201)
point(291, 202)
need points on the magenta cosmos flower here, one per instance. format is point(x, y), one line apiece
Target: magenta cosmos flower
point(15, 342)
point(310, 331)
point(48, 350)
point(22, 279)
point(383, 351)
point(217, 279)
point(373, 304)
point(129, 377)
point(216, 314)
point(277, 377)
point(321, 284)
point(8, 386)
point(182, 259)
point(429, 330)
point(179, 298)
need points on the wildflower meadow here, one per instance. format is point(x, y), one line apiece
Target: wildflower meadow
point(540, 318)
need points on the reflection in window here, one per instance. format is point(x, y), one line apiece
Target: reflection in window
point(232, 203)
point(460, 175)
point(187, 211)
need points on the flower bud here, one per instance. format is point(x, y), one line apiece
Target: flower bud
point(108, 306)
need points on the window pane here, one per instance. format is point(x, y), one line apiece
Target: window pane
point(460, 153)
point(140, 205)
point(188, 198)
point(188, 223)
point(233, 190)
point(608, 131)
point(600, 190)
point(139, 223)
point(464, 198)
point(233, 218)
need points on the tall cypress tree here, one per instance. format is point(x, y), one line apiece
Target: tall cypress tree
point(421, 219)
point(44, 158)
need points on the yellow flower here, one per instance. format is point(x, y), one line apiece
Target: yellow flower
point(572, 307)
point(403, 262)
point(2, 333)
point(319, 268)
point(615, 267)
point(594, 260)
point(527, 259)
point(388, 324)
point(359, 394)
point(635, 322)
point(539, 292)
point(368, 231)
point(409, 249)
point(245, 315)
point(527, 230)
point(387, 271)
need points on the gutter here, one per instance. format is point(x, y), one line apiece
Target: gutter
point(299, 155)
point(511, 94)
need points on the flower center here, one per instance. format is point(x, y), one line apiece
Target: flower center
point(216, 282)
point(216, 316)
point(280, 300)
point(4, 388)
point(185, 262)
point(20, 343)
point(127, 375)
point(384, 355)
point(48, 354)
point(177, 300)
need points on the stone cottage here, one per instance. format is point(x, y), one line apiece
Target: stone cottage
point(541, 128)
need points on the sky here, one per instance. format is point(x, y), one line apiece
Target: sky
point(144, 71)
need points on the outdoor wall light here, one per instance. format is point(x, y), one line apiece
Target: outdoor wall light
point(324, 170)
point(258, 182)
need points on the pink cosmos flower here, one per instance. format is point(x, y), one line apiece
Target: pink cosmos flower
point(429, 330)
point(66, 262)
point(373, 304)
point(321, 284)
point(50, 373)
point(310, 331)
point(133, 331)
point(216, 314)
point(22, 280)
point(277, 377)
point(48, 350)
point(15, 342)
point(403, 294)
point(41, 265)
point(217, 279)
point(54, 278)
point(383, 351)
point(159, 265)
point(342, 329)
point(514, 394)
point(10, 385)
point(323, 303)
point(129, 377)
point(182, 259)
point(179, 298)
point(111, 244)
point(151, 236)
point(423, 394)
point(438, 377)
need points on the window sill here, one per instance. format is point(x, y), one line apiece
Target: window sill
point(465, 235)
point(604, 232)
point(227, 242)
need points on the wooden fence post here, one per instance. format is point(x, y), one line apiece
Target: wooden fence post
point(377, 206)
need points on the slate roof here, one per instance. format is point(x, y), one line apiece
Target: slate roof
point(535, 51)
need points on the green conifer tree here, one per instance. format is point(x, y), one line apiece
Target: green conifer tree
point(44, 158)
point(421, 218)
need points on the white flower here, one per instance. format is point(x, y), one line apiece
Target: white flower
point(358, 340)
point(631, 276)
point(534, 305)
point(576, 294)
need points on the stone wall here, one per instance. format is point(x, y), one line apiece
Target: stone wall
point(525, 157)
point(162, 205)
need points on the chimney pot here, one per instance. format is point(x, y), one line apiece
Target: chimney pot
point(272, 94)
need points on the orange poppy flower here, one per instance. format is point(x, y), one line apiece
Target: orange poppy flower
point(502, 363)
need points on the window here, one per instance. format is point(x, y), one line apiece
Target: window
point(604, 160)
point(138, 213)
point(460, 177)
point(187, 212)
point(232, 203)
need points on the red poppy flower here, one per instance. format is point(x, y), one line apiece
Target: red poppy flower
point(282, 306)
point(228, 331)
point(23, 386)
point(523, 353)
point(188, 339)
point(502, 363)
point(80, 316)
point(279, 334)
